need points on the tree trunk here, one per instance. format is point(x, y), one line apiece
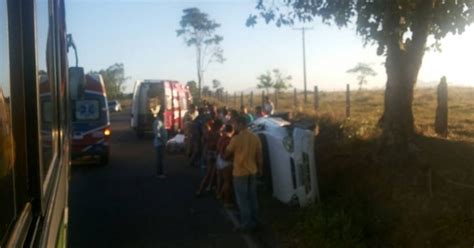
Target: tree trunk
point(397, 120)
point(199, 70)
point(403, 62)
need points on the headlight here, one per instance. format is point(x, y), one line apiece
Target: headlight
point(288, 143)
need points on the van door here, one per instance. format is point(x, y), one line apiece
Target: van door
point(142, 107)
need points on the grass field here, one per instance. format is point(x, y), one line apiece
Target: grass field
point(367, 107)
point(423, 201)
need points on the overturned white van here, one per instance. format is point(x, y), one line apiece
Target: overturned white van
point(289, 160)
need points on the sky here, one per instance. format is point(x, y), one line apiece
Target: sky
point(4, 66)
point(142, 35)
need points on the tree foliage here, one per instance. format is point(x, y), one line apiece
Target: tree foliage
point(399, 28)
point(265, 81)
point(280, 81)
point(377, 21)
point(114, 80)
point(218, 89)
point(206, 91)
point(273, 79)
point(216, 84)
point(199, 31)
point(363, 70)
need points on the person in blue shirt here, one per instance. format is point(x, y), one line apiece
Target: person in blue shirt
point(159, 141)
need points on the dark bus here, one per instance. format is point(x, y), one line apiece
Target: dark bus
point(34, 124)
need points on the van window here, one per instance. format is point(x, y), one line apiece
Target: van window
point(87, 110)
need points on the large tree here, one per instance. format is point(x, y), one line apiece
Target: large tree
point(363, 71)
point(114, 80)
point(218, 89)
point(265, 81)
point(280, 81)
point(400, 29)
point(199, 31)
point(273, 79)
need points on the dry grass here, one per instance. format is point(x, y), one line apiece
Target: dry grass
point(422, 201)
point(367, 107)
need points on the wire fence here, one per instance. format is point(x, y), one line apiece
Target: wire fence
point(364, 107)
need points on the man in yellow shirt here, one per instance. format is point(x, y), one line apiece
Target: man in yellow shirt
point(246, 150)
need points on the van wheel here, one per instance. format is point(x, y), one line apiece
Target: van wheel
point(104, 159)
point(267, 169)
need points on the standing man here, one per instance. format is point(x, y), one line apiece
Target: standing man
point(161, 136)
point(196, 137)
point(246, 149)
point(268, 106)
point(188, 119)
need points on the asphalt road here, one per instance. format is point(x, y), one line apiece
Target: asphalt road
point(123, 205)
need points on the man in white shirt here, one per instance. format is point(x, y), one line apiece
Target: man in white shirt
point(159, 142)
point(268, 106)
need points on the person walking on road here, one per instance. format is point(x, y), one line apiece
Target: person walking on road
point(161, 136)
point(268, 106)
point(196, 137)
point(246, 150)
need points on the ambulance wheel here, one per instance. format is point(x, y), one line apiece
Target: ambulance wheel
point(104, 159)
point(267, 169)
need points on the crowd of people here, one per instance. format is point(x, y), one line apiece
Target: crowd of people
point(218, 141)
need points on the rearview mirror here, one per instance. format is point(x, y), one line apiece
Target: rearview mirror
point(76, 82)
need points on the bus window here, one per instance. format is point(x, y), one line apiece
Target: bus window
point(7, 207)
point(47, 95)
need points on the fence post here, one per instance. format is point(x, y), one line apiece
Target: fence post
point(241, 98)
point(295, 98)
point(251, 99)
point(441, 119)
point(235, 99)
point(348, 101)
point(263, 97)
point(276, 98)
point(316, 98)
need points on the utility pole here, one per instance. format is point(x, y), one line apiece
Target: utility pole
point(303, 29)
